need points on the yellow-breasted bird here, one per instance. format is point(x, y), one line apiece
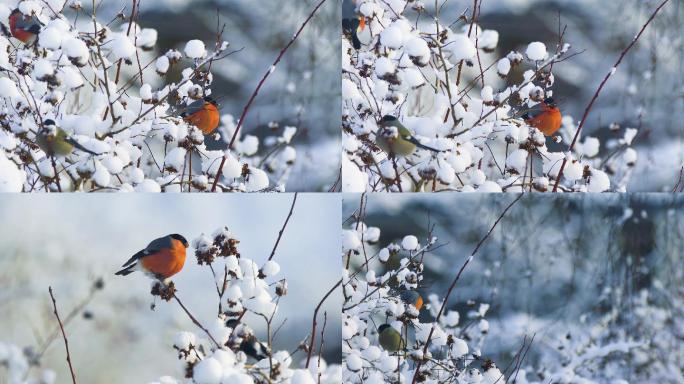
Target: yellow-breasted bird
point(55, 142)
point(396, 140)
point(389, 338)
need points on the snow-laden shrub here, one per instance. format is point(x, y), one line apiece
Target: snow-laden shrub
point(438, 77)
point(105, 85)
point(228, 350)
point(620, 336)
point(373, 284)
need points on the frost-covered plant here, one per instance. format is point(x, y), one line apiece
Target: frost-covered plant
point(103, 84)
point(640, 341)
point(446, 351)
point(228, 350)
point(443, 80)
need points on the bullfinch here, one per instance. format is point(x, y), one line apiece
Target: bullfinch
point(24, 28)
point(162, 258)
point(544, 116)
point(204, 114)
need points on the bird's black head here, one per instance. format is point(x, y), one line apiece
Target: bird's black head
point(181, 239)
point(49, 122)
point(388, 118)
point(383, 327)
point(549, 101)
point(211, 100)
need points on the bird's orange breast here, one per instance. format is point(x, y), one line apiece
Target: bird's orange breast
point(548, 121)
point(362, 23)
point(166, 262)
point(419, 303)
point(19, 34)
point(207, 119)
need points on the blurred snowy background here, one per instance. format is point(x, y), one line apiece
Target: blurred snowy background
point(304, 90)
point(586, 275)
point(649, 82)
point(70, 241)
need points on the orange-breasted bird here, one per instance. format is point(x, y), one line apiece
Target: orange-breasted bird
point(352, 27)
point(162, 258)
point(24, 28)
point(544, 116)
point(412, 297)
point(203, 114)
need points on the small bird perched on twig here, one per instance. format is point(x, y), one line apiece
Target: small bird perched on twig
point(203, 113)
point(544, 116)
point(24, 28)
point(55, 142)
point(389, 338)
point(162, 258)
point(396, 140)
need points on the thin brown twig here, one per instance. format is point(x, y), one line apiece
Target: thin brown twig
point(313, 324)
point(280, 234)
point(66, 341)
point(457, 278)
point(270, 70)
point(194, 320)
point(54, 168)
point(320, 346)
point(600, 88)
point(128, 32)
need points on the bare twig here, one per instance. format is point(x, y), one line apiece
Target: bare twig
point(280, 234)
point(313, 324)
point(458, 277)
point(600, 87)
point(270, 70)
point(68, 318)
point(197, 323)
point(66, 342)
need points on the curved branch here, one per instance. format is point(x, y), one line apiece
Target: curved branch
point(600, 87)
point(270, 70)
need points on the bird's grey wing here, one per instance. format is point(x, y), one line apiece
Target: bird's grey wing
point(531, 113)
point(155, 246)
point(32, 25)
point(158, 244)
point(192, 108)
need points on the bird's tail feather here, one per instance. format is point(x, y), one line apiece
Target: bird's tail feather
point(81, 147)
point(421, 145)
point(126, 271)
